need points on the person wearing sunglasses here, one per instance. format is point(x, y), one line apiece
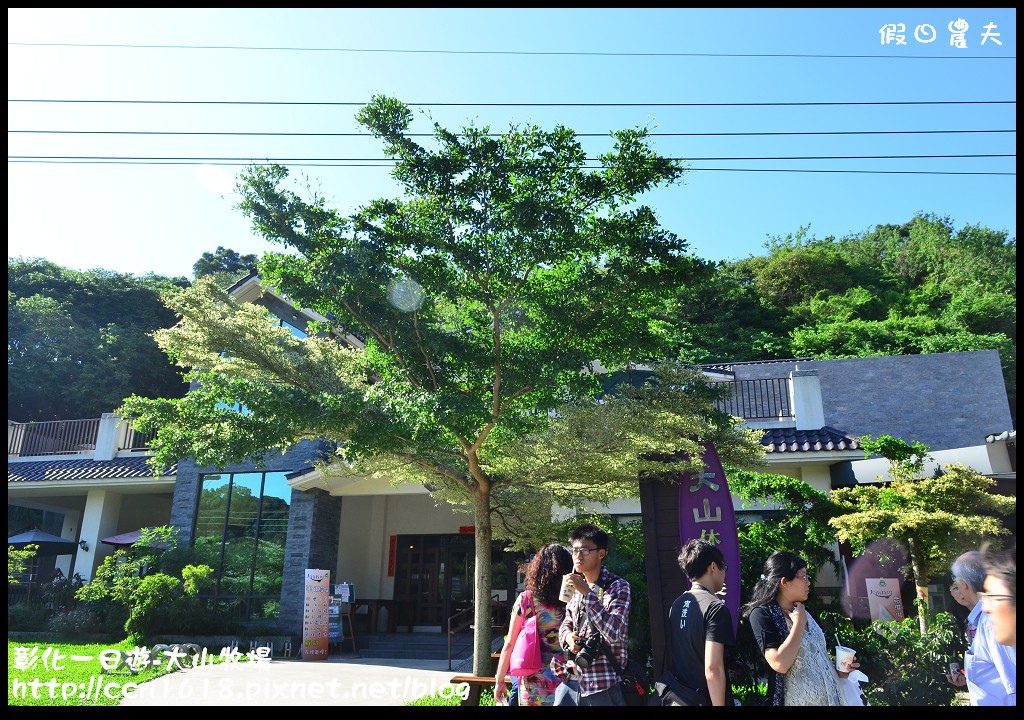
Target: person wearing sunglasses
point(596, 621)
point(990, 669)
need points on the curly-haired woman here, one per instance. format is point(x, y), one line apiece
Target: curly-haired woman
point(543, 580)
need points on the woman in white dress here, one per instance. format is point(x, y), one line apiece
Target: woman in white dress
point(792, 642)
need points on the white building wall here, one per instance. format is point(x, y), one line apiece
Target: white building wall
point(367, 524)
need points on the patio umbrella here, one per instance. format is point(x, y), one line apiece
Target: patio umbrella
point(128, 539)
point(48, 544)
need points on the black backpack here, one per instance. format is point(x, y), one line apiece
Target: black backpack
point(636, 686)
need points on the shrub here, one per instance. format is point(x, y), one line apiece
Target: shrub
point(141, 587)
point(153, 601)
point(59, 592)
point(76, 622)
point(26, 617)
point(906, 667)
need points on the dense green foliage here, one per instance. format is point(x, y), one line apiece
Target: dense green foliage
point(154, 586)
point(224, 260)
point(920, 287)
point(905, 666)
point(798, 521)
point(18, 560)
point(78, 343)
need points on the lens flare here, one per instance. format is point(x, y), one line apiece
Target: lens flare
point(405, 294)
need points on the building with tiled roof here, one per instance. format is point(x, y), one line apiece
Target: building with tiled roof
point(410, 556)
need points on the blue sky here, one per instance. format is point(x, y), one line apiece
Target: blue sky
point(708, 76)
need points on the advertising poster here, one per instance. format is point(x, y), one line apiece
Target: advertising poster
point(884, 600)
point(316, 615)
point(706, 513)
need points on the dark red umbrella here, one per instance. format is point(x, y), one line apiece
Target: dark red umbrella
point(125, 540)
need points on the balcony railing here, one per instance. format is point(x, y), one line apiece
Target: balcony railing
point(764, 399)
point(75, 437)
point(59, 437)
point(133, 440)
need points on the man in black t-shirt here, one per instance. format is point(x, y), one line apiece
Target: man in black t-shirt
point(701, 624)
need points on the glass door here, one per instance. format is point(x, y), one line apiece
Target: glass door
point(434, 577)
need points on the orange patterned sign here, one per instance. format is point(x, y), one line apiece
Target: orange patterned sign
point(315, 615)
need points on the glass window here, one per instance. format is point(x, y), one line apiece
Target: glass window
point(241, 529)
point(292, 327)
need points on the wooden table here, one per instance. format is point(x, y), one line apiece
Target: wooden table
point(476, 684)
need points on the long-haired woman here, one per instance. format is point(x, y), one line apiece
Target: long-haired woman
point(802, 672)
point(543, 580)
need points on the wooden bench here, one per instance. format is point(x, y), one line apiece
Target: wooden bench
point(476, 684)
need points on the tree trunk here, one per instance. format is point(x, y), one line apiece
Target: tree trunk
point(915, 568)
point(482, 610)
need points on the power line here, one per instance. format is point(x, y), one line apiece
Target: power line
point(581, 134)
point(556, 53)
point(589, 159)
point(595, 167)
point(527, 104)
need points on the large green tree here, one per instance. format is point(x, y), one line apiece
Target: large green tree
point(78, 343)
point(484, 299)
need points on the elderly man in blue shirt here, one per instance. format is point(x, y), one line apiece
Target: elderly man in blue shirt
point(990, 668)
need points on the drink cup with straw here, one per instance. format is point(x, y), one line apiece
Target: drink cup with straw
point(844, 656)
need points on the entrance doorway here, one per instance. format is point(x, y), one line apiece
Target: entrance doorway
point(434, 578)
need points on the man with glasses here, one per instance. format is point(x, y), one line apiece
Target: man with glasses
point(596, 620)
point(990, 668)
point(700, 625)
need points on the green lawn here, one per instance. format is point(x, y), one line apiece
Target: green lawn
point(69, 674)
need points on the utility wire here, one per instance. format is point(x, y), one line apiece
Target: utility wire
point(527, 104)
point(366, 134)
point(348, 165)
point(562, 53)
point(589, 159)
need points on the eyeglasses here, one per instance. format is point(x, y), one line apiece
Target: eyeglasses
point(989, 597)
point(725, 567)
point(802, 576)
point(584, 551)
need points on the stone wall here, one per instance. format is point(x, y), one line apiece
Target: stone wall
point(945, 400)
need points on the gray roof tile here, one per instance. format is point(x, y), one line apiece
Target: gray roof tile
point(790, 440)
point(118, 468)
